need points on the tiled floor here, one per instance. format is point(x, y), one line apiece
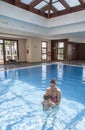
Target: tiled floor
point(79, 63)
point(19, 65)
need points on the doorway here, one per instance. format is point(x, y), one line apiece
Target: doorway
point(57, 49)
point(43, 51)
point(1, 52)
point(10, 49)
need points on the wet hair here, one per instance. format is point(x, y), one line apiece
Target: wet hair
point(46, 96)
point(53, 81)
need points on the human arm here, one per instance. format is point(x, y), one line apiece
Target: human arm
point(58, 97)
point(42, 103)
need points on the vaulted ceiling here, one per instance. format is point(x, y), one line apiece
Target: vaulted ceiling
point(49, 8)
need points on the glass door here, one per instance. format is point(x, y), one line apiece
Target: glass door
point(1, 52)
point(10, 49)
point(44, 51)
point(61, 51)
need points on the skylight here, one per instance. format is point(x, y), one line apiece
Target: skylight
point(40, 5)
point(51, 12)
point(52, 1)
point(26, 1)
point(47, 1)
point(72, 3)
point(50, 8)
point(58, 6)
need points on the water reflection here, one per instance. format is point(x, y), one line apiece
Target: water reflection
point(60, 71)
point(44, 73)
point(9, 74)
point(83, 75)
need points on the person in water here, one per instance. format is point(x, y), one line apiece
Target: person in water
point(47, 103)
point(54, 92)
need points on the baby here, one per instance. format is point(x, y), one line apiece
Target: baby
point(47, 103)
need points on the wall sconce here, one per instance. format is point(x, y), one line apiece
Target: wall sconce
point(54, 48)
point(35, 46)
point(73, 48)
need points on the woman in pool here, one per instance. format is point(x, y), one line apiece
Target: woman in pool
point(54, 92)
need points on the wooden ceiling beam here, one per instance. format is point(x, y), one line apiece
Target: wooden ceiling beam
point(38, 12)
point(73, 9)
point(54, 10)
point(78, 8)
point(49, 8)
point(82, 3)
point(17, 2)
point(45, 8)
point(65, 4)
point(34, 3)
point(9, 1)
point(20, 4)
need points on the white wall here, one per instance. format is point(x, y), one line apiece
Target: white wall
point(29, 49)
point(14, 12)
point(72, 18)
point(70, 51)
point(34, 47)
point(22, 50)
point(12, 25)
point(36, 50)
point(48, 49)
point(72, 28)
point(16, 25)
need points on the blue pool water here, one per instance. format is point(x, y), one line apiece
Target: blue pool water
point(21, 93)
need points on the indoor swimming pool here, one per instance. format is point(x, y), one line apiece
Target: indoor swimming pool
point(21, 93)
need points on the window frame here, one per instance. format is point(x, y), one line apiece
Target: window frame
point(45, 51)
point(60, 53)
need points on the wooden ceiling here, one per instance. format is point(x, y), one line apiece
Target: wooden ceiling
point(49, 8)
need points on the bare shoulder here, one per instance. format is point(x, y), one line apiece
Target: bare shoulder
point(48, 88)
point(58, 89)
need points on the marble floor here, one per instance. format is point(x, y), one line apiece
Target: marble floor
point(19, 65)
